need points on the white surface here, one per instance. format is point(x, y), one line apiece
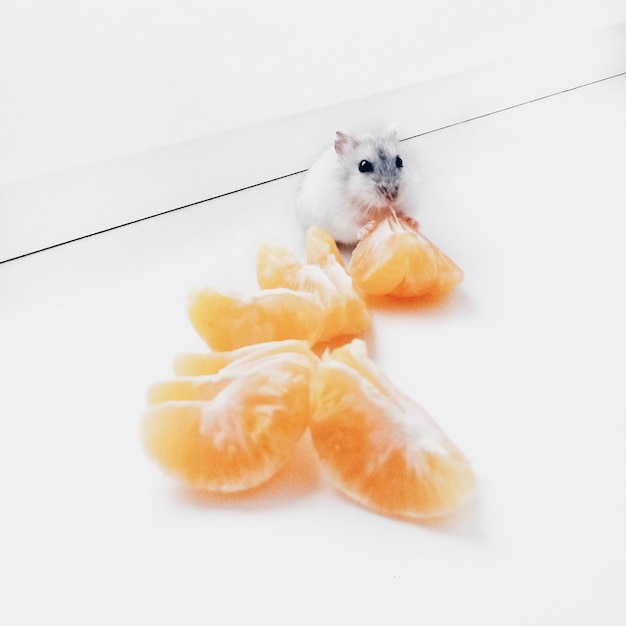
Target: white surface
point(84, 82)
point(523, 367)
point(40, 212)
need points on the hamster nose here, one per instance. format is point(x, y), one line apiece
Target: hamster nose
point(390, 192)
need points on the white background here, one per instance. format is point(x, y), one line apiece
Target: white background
point(87, 81)
point(523, 366)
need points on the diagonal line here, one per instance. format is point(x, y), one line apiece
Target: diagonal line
point(272, 180)
point(515, 106)
point(148, 217)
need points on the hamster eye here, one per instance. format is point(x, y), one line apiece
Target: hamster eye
point(365, 166)
point(399, 162)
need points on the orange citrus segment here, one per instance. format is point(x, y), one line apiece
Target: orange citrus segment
point(380, 447)
point(204, 363)
point(322, 249)
point(324, 275)
point(227, 320)
point(396, 259)
point(234, 429)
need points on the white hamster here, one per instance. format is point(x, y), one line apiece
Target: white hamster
point(352, 184)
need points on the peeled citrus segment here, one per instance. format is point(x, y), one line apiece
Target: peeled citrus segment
point(322, 249)
point(232, 430)
point(380, 447)
point(324, 275)
point(396, 259)
point(227, 320)
point(209, 362)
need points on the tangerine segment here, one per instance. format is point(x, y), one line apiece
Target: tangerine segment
point(321, 248)
point(396, 259)
point(380, 447)
point(227, 320)
point(324, 275)
point(204, 363)
point(232, 430)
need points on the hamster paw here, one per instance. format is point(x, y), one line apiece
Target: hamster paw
point(367, 229)
point(409, 220)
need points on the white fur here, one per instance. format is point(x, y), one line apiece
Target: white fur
point(337, 197)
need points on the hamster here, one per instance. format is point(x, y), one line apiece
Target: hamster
point(352, 184)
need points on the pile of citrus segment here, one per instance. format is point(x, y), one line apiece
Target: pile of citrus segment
point(232, 416)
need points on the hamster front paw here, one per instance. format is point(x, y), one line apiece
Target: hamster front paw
point(367, 229)
point(408, 220)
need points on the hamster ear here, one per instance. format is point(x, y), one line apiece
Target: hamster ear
point(343, 141)
point(392, 131)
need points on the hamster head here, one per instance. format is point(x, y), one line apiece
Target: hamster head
point(371, 168)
